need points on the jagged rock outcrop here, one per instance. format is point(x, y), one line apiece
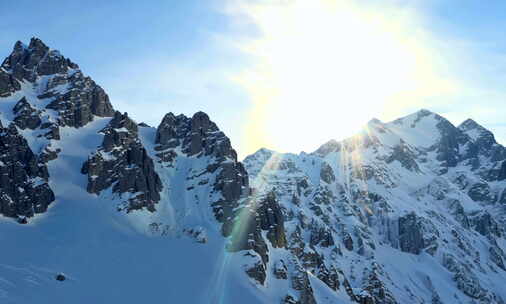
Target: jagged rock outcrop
point(24, 190)
point(73, 96)
point(8, 84)
point(404, 156)
point(416, 234)
point(123, 163)
point(258, 215)
point(51, 92)
point(486, 225)
point(374, 290)
point(199, 137)
point(26, 115)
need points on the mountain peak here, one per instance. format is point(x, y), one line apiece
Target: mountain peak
point(19, 46)
point(26, 63)
point(477, 132)
point(470, 124)
point(265, 151)
point(374, 121)
point(328, 147)
point(37, 44)
point(53, 76)
point(415, 117)
point(424, 112)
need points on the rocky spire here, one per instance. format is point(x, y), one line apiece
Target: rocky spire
point(477, 132)
point(123, 163)
point(24, 190)
point(26, 63)
point(49, 71)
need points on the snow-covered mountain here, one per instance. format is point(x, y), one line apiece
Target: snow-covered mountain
point(410, 211)
point(98, 208)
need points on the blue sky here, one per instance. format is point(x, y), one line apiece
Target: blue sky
point(183, 56)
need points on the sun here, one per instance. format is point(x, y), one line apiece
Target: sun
point(324, 68)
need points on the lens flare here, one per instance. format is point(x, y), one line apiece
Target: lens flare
point(324, 68)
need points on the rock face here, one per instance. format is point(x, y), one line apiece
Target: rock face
point(259, 215)
point(180, 137)
point(49, 91)
point(198, 136)
point(123, 163)
point(24, 190)
point(74, 97)
point(26, 115)
point(416, 234)
point(8, 84)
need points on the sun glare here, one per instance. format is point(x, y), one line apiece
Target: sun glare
point(324, 68)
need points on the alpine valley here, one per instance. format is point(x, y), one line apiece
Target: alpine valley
point(97, 208)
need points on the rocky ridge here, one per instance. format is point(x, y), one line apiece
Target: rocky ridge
point(390, 215)
point(352, 207)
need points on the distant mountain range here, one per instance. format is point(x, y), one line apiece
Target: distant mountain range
point(97, 208)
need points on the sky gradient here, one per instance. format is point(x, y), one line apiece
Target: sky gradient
point(287, 75)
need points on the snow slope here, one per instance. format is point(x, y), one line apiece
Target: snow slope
point(410, 211)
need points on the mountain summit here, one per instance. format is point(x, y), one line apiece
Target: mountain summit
point(408, 211)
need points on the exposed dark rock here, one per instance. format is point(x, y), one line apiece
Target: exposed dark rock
point(123, 163)
point(22, 220)
point(459, 214)
point(328, 276)
point(271, 220)
point(497, 256)
point(26, 63)
point(60, 277)
point(502, 200)
point(481, 192)
point(289, 300)
point(259, 215)
point(484, 223)
point(466, 281)
point(374, 290)
point(200, 137)
point(24, 190)
point(484, 139)
point(416, 234)
point(404, 156)
point(448, 145)
point(321, 236)
point(348, 241)
point(501, 175)
point(26, 115)
point(8, 84)
point(257, 272)
point(300, 282)
point(327, 174)
point(280, 270)
point(76, 106)
point(54, 131)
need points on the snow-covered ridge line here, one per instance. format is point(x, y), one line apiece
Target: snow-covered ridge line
point(410, 211)
point(398, 206)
